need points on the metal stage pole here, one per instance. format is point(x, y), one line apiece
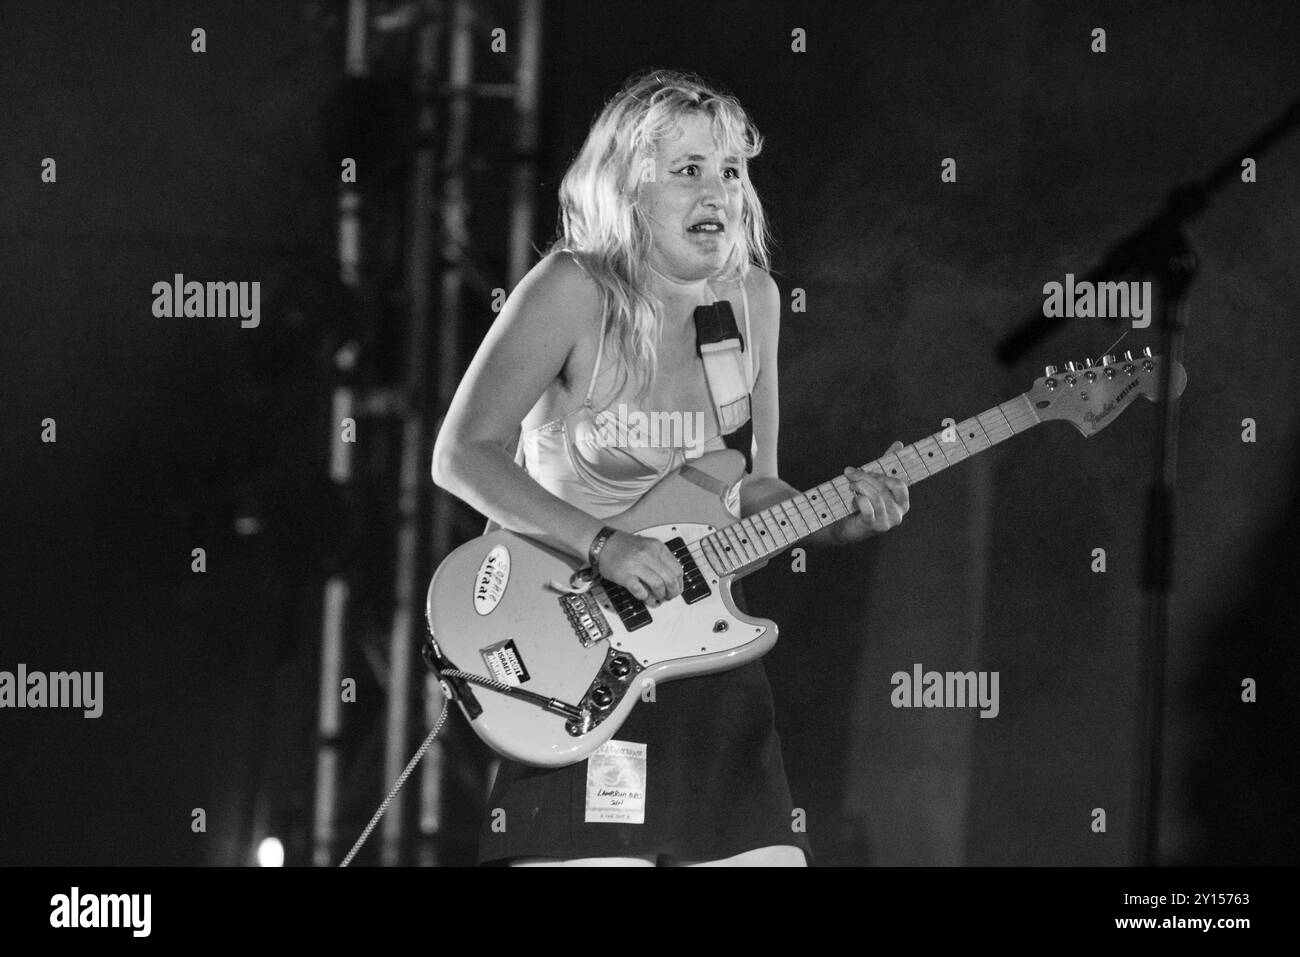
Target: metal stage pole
point(455, 213)
point(523, 203)
point(335, 601)
point(403, 643)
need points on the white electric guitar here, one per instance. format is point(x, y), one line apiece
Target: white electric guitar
point(546, 674)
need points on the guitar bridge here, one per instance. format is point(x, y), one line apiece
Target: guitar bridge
point(586, 618)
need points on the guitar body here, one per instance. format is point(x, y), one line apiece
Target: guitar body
point(493, 613)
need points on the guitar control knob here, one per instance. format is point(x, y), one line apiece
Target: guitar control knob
point(1049, 371)
point(1071, 366)
point(602, 697)
point(1107, 359)
point(619, 666)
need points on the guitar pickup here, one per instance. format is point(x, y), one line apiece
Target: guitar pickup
point(631, 610)
point(694, 587)
point(586, 618)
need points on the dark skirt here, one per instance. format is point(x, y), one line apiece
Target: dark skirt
point(715, 783)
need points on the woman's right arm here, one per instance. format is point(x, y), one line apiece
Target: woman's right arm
point(523, 352)
point(552, 309)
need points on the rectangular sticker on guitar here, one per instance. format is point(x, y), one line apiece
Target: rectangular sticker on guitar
point(504, 662)
point(616, 783)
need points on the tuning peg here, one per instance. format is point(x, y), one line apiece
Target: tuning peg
point(1088, 363)
point(1107, 359)
point(1049, 371)
point(1128, 355)
point(1071, 367)
point(1146, 351)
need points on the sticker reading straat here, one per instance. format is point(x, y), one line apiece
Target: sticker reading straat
point(616, 783)
point(505, 663)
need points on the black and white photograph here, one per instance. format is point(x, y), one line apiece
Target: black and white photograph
point(450, 434)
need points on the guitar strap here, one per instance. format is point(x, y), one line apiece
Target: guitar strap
point(719, 344)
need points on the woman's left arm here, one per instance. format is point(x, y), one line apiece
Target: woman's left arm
point(881, 500)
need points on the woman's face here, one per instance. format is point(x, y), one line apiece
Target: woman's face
point(693, 202)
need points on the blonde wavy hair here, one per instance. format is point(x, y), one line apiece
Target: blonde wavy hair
point(601, 223)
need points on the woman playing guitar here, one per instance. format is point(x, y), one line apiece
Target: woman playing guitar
point(658, 217)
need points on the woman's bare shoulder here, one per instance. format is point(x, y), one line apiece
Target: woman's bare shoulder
point(561, 284)
point(764, 301)
point(759, 282)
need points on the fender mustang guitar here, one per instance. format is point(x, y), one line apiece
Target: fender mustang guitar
point(546, 663)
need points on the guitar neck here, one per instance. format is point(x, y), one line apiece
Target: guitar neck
point(741, 547)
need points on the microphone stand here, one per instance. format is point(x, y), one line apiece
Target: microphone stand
point(1159, 248)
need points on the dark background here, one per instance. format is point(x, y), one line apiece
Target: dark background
point(224, 166)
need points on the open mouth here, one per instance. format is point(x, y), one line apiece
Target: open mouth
point(707, 226)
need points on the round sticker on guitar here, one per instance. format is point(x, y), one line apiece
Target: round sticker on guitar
point(490, 582)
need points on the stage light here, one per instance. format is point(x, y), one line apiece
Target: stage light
point(270, 853)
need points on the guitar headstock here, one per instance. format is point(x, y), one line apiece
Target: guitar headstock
point(1092, 396)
